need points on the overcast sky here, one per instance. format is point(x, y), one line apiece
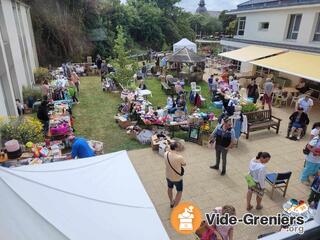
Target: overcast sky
point(191, 5)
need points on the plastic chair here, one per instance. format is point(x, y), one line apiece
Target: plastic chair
point(193, 86)
point(278, 180)
point(294, 100)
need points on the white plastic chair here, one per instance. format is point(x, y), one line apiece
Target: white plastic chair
point(295, 100)
point(193, 86)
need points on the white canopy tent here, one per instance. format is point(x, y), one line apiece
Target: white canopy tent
point(184, 43)
point(95, 198)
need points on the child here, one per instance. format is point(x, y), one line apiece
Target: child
point(315, 190)
point(226, 231)
point(73, 94)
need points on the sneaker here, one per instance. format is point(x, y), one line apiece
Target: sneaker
point(214, 167)
point(298, 138)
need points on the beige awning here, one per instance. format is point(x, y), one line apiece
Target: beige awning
point(304, 65)
point(251, 53)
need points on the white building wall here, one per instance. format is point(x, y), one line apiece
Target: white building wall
point(7, 98)
point(28, 36)
point(278, 25)
point(3, 107)
point(18, 55)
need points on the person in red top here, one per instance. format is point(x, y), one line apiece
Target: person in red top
point(225, 76)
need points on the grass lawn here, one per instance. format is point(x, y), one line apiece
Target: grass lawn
point(94, 115)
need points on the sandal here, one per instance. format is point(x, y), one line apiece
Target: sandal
point(259, 207)
point(249, 208)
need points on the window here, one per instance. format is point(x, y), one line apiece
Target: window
point(294, 25)
point(264, 26)
point(317, 30)
point(241, 25)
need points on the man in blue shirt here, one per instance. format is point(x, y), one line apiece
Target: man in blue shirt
point(80, 148)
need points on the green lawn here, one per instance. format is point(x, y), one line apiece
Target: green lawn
point(94, 115)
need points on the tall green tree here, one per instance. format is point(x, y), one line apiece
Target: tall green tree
point(125, 67)
point(226, 19)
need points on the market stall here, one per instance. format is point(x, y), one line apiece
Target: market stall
point(61, 121)
point(184, 43)
point(194, 62)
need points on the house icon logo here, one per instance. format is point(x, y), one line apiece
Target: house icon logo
point(186, 218)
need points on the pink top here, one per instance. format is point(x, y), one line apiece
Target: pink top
point(223, 230)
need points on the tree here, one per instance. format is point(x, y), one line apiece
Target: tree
point(204, 24)
point(232, 28)
point(124, 66)
point(226, 19)
point(59, 30)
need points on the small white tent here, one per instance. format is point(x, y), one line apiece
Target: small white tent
point(184, 43)
point(95, 198)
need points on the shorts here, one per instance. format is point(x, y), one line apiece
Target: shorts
point(296, 125)
point(179, 185)
point(267, 99)
point(257, 189)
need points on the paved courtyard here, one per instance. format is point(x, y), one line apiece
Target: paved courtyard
point(207, 189)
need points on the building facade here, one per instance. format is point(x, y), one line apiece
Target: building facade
point(291, 23)
point(18, 56)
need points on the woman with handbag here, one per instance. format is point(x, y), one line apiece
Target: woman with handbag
point(174, 173)
point(256, 178)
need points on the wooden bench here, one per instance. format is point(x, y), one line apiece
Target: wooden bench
point(262, 119)
point(166, 88)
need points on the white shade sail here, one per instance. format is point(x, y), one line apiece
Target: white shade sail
point(94, 198)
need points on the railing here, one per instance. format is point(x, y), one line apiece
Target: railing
point(276, 45)
point(273, 4)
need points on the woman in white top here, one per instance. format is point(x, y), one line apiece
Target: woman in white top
point(315, 131)
point(258, 172)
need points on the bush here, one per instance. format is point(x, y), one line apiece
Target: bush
point(23, 129)
point(41, 74)
point(249, 107)
point(31, 92)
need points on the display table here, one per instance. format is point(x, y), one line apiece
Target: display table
point(291, 90)
point(144, 93)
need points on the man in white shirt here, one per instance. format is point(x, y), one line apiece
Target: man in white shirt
point(306, 103)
